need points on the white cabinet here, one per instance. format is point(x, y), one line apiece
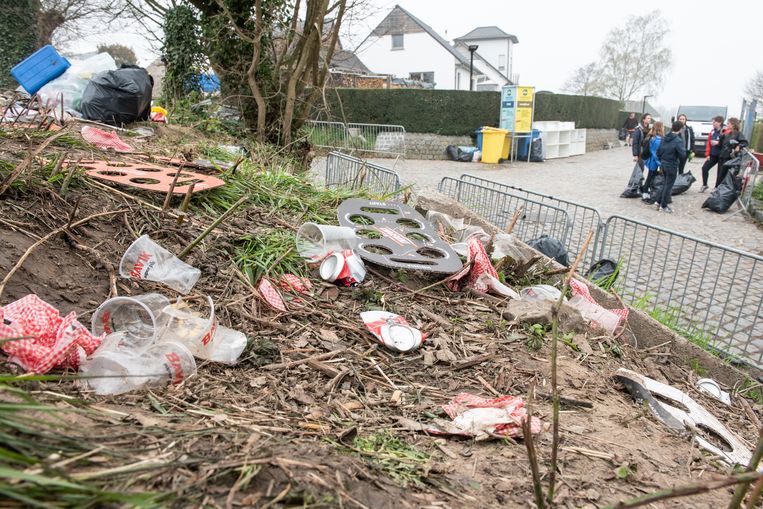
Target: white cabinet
point(561, 139)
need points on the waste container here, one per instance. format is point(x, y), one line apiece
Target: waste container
point(495, 145)
point(40, 67)
point(524, 144)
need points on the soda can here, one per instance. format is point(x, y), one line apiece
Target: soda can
point(344, 268)
point(392, 330)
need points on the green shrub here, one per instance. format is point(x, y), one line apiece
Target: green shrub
point(457, 112)
point(18, 37)
point(756, 141)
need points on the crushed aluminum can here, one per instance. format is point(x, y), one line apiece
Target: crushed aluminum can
point(345, 268)
point(392, 330)
point(711, 387)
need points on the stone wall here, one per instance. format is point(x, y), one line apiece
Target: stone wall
point(431, 146)
point(601, 139)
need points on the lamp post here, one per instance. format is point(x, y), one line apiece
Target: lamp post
point(643, 104)
point(472, 49)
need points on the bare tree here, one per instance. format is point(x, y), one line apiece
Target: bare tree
point(754, 87)
point(585, 80)
point(120, 53)
point(64, 20)
point(634, 57)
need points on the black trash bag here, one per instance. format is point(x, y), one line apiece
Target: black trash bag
point(655, 194)
point(623, 134)
point(551, 248)
point(633, 190)
point(722, 196)
point(536, 151)
point(452, 152)
point(456, 154)
point(603, 273)
point(118, 97)
point(683, 183)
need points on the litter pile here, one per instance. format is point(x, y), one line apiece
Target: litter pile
point(263, 342)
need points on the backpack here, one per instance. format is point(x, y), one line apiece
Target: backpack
point(646, 152)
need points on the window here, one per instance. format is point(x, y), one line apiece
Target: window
point(501, 62)
point(397, 41)
point(427, 77)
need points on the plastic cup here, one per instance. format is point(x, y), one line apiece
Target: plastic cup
point(167, 363)
point(181, 325)
point(540, 292)
point(226, 346)
point(315, 241)
point(110, 372)
point(136, 317)
point(145, 259)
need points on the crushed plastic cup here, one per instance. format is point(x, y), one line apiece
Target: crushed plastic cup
point(145, 259)
point(226, 346)
point(344, 268)
point(116, 372)
point(136, 317)
point(180, 324)
point(595, 314)
point(315, 241)
point(540, 292)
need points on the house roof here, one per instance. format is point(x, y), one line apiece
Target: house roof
point(479, 58)
point(344, 60)
point(635, 106)
point(491, 32)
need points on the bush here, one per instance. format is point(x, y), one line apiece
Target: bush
point(457, 112)
point(18, 39)
point(756, 141)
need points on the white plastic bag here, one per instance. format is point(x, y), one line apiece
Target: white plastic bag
point(71, 84)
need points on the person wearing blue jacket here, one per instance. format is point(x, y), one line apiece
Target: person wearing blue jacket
point(670, 153)
point(652, 163)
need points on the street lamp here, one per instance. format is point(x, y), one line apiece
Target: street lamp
point(472, 49)
point(643, 104)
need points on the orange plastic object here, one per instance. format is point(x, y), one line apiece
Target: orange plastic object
point(148, 176)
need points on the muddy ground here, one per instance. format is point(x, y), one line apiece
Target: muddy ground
point(275, 432)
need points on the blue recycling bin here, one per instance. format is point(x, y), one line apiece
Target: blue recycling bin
point(40, 67)
point(524, 144)
point(478, 132)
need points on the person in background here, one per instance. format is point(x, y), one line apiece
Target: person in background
point(638, 138)
point(729, 151)
point(630, 125)
point(653, 139)
point(687, 135)
point(712, 150)
point(670, 153)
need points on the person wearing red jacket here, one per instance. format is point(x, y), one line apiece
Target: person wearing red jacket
point(712, 150)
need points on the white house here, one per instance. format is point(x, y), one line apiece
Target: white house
point(405, 47)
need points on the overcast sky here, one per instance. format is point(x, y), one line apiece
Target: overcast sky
point(716, 45)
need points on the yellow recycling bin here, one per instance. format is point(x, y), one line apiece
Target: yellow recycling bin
point(495, 144)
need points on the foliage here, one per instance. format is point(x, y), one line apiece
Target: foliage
point(585, 80)
point(669, 316)
point(18, 29)
point(536, 333)
point(757, 191)
point(754, 87)
point(402, 462)
point(756, 141)
point(635, 57)
point(457, 112)
point(120, 53)
point(182, 53)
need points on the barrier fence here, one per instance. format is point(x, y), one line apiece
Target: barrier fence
point(348, 172)
point(711, 292)
point(372, 138)
point(498, 207)
point(749, 173)
point(582, 218)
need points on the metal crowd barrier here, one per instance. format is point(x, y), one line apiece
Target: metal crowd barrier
point(712, 292)
point(498, 207)
point(372, 138)
point(748, 173)
point(583, 218)
point(348, 172)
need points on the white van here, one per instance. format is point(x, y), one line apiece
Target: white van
point(700, 118)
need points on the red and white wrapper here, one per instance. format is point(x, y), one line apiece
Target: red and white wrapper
point(56, 342)
point(581, 289)
point(292, 283)
point(480, 275)
point(345, 268)
point(104, 139)
point(474, 416)
point(271, 295)
point(393, 331)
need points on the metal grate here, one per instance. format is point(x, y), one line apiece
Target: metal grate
point(348, 172)
point(371, 138)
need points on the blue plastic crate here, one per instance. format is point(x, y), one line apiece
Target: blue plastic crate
point(40, 67)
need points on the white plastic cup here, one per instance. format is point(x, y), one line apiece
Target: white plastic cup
point(540, 292)
point(145, 259)
point(136, 317)
point(226, 346)
point(167, 363)
point(315, 241)
point(181, 325)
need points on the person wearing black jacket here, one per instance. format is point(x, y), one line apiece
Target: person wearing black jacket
point(630, 125)
point(638, 138)
point(712, 151)
point(670, 154)
point(687, 135)
point(729, 151)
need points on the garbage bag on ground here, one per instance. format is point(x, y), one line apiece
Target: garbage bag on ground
point(603, 273)
point(536, 151)
point(722, 196)
point(457, 154)
point(48, 339)
point(683, 183)
point(655, 195)
point(551, 248)
point(622, 135)
point(633, 189)
point(71, 85)
point(118, 97)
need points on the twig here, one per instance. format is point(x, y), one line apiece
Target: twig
point(185, 204)
point(741, 491)
point(688, 490)
point(287, 365)
point(554, 380)
point(67, 180)
point(171, 190)
point(27, 162)
point(47, 237)
point(755, 495)
point(514, 219)
point(532, 456)
point(211, 227)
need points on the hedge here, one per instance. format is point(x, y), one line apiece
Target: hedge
point(18, 39)
point(457, 112)
point(756, 142)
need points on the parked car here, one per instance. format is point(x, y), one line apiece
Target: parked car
point(700, 118)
